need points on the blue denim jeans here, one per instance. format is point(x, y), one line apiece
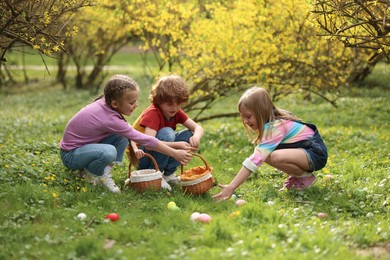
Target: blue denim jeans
point(95, 157)
point(165, 163)
point(314, 148)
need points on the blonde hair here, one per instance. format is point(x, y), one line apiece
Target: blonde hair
point(258, 101)
point(169, 88)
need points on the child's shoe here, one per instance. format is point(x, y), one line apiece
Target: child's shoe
point(89, 177)
point(165, 185)
point(107, 181)
point(288, 183)
point(171, 178)
point(305, 182)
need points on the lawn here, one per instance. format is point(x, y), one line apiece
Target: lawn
point(40, 199)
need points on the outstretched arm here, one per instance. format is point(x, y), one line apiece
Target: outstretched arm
point(228, 190)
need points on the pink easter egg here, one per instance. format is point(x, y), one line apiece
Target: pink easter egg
point(322, 215)
point(204, 218)
point(240, 202)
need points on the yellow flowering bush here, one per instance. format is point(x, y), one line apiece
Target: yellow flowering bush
point(102, 31)
point(222, 47)
point(40, 24)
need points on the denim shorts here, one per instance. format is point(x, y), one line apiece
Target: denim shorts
point(314, 148)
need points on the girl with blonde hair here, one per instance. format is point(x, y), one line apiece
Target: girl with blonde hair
point(281, 139)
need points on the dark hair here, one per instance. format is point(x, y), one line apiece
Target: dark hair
point(169, 88)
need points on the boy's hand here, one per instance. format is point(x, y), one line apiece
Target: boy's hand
point(194, 142)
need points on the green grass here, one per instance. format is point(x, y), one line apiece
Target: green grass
point(40, 198)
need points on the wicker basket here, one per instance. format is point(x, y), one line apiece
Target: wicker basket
point(147, 179)
point(197, 180)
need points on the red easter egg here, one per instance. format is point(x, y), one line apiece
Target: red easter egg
point(113, 216)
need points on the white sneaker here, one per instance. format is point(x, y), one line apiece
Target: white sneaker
point(107, 181)
point(89, 177)
point(171, 179)
point(165, 185)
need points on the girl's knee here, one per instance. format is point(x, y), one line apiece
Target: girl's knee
point(109, 154)
point(276, 159)
point(124, 141)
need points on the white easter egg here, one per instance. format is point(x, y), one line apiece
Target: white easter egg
point(194, 216)
point(81, 216)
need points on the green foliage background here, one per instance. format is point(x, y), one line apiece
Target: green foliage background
point(40, 199)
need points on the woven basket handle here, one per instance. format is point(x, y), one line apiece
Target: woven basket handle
point(204, 161)
point(151, 158)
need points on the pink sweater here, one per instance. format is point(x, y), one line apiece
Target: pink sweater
point(96, 121)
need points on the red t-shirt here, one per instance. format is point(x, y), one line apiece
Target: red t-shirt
point(153, 118)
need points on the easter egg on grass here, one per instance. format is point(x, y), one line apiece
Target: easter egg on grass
point(204, 218)
point(171, 204)
point(194, 216)
point(112, 216)
point(174, 208)
point(240, 202)
point(322, 215)
point(233, 197)
point(234, 214)
point(81, 216)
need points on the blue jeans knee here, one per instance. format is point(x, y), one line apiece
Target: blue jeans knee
point(93, 157)
point(166, 134)
point(120, 143)
point(165, 163)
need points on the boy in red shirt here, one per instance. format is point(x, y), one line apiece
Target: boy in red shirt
point(160, 120)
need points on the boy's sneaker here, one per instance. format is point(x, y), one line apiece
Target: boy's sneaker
point(302, 183)
point(107, 181)
point(171, 178)
point(165, 185)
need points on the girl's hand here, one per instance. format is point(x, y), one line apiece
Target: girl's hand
point(139, 153)
point(225, 194)
point(194, 142)
point(183, 156)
